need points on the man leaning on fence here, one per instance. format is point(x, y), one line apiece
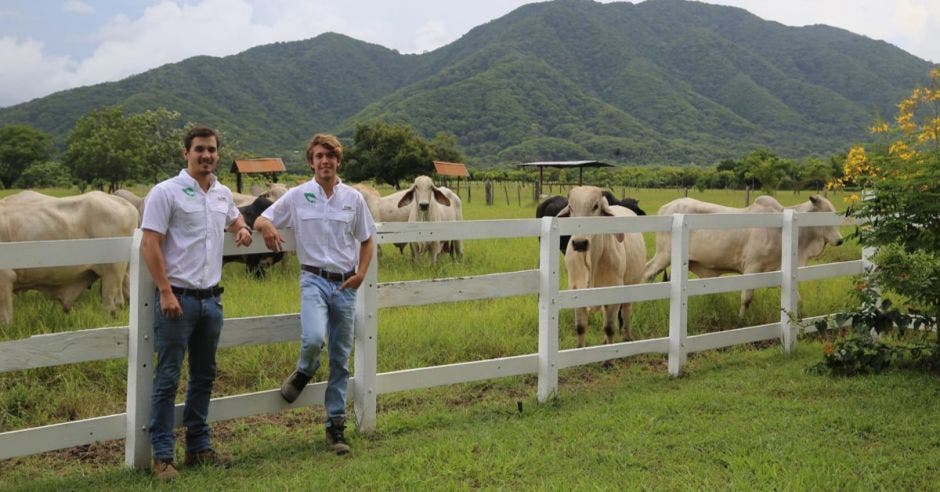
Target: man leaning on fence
point(185, 218)
point(333, 229)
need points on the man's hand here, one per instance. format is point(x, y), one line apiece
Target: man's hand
point(170, 305)
point(243, 237)
point(352, 282)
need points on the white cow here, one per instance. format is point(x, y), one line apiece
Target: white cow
point(713, 252)
point(429, 203)
point(390, 211)
point(133, 199)
point(36, 217)
point(602, 260)
point(372, 198)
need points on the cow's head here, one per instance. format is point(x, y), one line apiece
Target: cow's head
point(421, 193)
point(586, 201)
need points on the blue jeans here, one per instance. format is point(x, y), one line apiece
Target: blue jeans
point(327, 313)
point(198, 332)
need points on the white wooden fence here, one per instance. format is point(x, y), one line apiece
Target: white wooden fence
point(135, 342)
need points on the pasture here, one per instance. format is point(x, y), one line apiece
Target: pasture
point(408, 337)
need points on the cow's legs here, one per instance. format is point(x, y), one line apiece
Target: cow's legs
point(7, 278)
point(746, 297)
point(112, 285)
point(658, 263)
point(625, 310)
point(610, 317)
point(580, 324)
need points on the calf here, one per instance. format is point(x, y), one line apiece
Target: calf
point(602, 260)
point(255, 263)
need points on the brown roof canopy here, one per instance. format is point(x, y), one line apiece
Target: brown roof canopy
point(451, 169)
point(264, 165)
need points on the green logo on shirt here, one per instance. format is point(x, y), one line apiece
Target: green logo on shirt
point(311, 197)
point(189, 191)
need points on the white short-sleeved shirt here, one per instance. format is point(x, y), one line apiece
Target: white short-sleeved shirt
point(193, 223)
point(329, 231)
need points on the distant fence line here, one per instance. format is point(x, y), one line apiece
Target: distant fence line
point(135, 341)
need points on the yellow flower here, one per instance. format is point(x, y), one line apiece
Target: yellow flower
point(828, 348)
point(853, 198)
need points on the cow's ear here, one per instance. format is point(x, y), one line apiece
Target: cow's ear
point(441, 197)
point(605, 209)
point(565, 212)
point(407, 198)
point(619, 237)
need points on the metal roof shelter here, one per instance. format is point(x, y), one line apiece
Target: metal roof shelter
point(267, 165)
point(565, 164)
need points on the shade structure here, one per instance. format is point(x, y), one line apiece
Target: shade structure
point(565, 164)
point(267, 165)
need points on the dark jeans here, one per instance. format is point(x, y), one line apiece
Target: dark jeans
point(198, 332)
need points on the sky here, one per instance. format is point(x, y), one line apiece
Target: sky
point(51, 45)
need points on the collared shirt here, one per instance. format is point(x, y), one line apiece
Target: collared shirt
point(329, 231)
point(193, 223)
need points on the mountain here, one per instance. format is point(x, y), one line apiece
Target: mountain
point(663, 81)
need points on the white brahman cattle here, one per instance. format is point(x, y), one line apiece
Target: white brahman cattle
point(602, 260)
point(429, 203)
point(30, 216)
point(713, 252)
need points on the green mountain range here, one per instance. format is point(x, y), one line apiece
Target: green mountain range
point(663, 81)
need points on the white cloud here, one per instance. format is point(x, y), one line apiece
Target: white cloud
point(29, 73)
point(432, 35)
point(78, 7)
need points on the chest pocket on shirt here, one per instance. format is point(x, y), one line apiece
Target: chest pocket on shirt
point(342, 216)
point(192, 212)
point(218, 212)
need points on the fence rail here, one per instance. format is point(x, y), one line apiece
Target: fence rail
point(135, 341)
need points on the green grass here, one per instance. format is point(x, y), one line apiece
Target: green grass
point(741, 419)
point(412, 337)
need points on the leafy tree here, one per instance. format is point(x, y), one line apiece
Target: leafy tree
point(815, 173)
point(49, 174)
point(388, 153)
point(109, 147)
point(444, 146)
point(21, 146)
point(903, 209)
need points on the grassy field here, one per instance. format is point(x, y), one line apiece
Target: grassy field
point(594, 434)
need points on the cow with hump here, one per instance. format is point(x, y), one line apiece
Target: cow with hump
point(602, 260)
point(713, 252)
point(428, 203)
point(30, 216)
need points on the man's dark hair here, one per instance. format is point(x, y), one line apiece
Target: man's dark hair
point(201, 131)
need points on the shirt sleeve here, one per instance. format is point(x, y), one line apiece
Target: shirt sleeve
point(157, 211)
point(280, 213)
point(233, 212)
point(363, 226)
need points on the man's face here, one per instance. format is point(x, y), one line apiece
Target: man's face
point(324, 163)
point(202, 156)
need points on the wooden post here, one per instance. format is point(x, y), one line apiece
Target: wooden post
point(679, 295)
point(789, 295)
point(366, 348)
point(506, 191)
point(488, 191)
point(548, 308)
point(139, 359)
point(468, 190)
point(519, 194)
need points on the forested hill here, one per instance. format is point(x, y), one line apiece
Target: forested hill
point(663, 81)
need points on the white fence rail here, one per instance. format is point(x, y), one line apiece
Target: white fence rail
point(135, 343)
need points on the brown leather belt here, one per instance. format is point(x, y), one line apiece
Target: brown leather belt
point(198, 293)
point(335, 277)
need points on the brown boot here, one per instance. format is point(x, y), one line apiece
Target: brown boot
point(293, 385)
point(208, 457)
point(164, 470)
point(335, 437)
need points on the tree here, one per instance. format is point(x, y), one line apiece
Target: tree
point(109, 147)
point(444, 147)
point(388, 153)
point(903, 207)
point(815, 173)
point(47, 174)
point(21, 146)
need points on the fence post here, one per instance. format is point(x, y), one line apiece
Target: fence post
point(366, 343)
point(679, 294)
point(548, 308)
point(789, 265)
point(139, 359)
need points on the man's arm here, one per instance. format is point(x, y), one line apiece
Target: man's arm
point(365, 259)
point(152, 252)
point(272, 238)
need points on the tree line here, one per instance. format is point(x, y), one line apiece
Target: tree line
point(109, 148)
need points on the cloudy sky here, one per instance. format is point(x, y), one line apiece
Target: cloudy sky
point(51, 45)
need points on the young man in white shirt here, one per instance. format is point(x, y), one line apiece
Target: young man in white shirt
point(185, 218)
point(334, 234)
